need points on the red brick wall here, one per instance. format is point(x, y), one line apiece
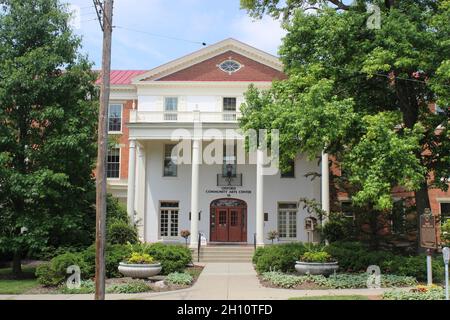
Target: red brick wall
point(123, 140)
point(208, 71)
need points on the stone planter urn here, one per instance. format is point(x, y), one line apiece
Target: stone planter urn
point(140, 271)
point(316, 268)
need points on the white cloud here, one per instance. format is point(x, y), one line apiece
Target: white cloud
point(264, 34)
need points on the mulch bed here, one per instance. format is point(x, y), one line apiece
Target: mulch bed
point(196, 270)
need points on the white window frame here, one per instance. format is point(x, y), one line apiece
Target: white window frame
point(340, 208)
point(121, 117)
point(120, 162)
point(164, 160)
point(441, 201)
point(288, 219)
point(171, 210)
point(227, 114)
point(171, 115)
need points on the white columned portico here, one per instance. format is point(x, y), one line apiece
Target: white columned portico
point(325, 193)
point(259, 198)
point(196, 156)
point(140, 190)
point(131, 193)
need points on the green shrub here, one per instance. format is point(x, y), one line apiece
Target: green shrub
point(415, 266)
point(280, 257)
point(116, 211)
point(338, 228)
point(55, 272)
point(121, 232)
point(114, 254)
point(355, 257)
point(173, 258)
point(130, 287)
point(47, 276)
point(179, 278)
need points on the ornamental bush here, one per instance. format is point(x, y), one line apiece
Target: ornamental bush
point(114, 254)
point(173, 258)
point(55, 272)
point(121, 232)
point(279, 257)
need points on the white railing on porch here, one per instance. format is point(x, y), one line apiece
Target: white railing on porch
point(183, 116)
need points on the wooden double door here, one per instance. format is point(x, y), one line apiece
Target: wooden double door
point(229, 223)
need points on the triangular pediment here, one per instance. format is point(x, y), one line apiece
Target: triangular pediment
point(204, 65)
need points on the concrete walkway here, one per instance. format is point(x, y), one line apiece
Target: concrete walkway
point(218, 281)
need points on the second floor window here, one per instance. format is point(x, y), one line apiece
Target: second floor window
point(113, 163)
point(170, 167)
point(229, 109)
point(290, 171)
point(115, 118)
point(170, 109)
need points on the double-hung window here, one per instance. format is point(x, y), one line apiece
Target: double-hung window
point(399, 217)
point(287, 220)
point(113, 163)
point(445, 211)
point(229, 109)
point(168, 218)
point(115, 118)
point(170, 161)
point(171, 109)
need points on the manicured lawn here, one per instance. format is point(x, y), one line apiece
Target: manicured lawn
point(354, 297)
point(9, 285)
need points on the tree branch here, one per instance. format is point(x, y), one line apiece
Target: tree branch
point(340, 4)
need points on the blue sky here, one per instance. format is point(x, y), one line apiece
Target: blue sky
point(207, 21)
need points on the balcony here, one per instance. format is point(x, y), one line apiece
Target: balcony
point(183, 116)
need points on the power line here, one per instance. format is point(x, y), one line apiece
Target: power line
point(161, 36)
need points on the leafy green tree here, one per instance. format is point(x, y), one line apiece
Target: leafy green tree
point(363, 94)
point(47, 129)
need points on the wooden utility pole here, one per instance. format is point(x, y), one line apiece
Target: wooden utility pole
point(105, 12)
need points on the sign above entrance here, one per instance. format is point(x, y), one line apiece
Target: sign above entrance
point(228, 191)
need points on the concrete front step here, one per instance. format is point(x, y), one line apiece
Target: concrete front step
point(224, 254)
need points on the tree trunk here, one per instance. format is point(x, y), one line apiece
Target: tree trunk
point(17, 264)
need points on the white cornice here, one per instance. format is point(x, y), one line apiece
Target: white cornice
point(207, 53)
point(225, 84)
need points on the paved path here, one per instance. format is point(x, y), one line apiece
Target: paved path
point(218, 281)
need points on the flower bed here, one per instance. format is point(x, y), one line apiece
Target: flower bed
point(338, 281)
point(171, 282)
point(418, 293)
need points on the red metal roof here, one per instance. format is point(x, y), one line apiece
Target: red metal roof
point(123, 77)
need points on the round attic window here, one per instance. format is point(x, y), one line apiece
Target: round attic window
point(230, 66)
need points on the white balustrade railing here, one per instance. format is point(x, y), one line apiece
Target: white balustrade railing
point(183, 116)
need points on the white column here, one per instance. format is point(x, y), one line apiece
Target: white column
point(131, 180)
point(194, 191)
point(141, 191)
point(259, 198)
point(325, 194)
